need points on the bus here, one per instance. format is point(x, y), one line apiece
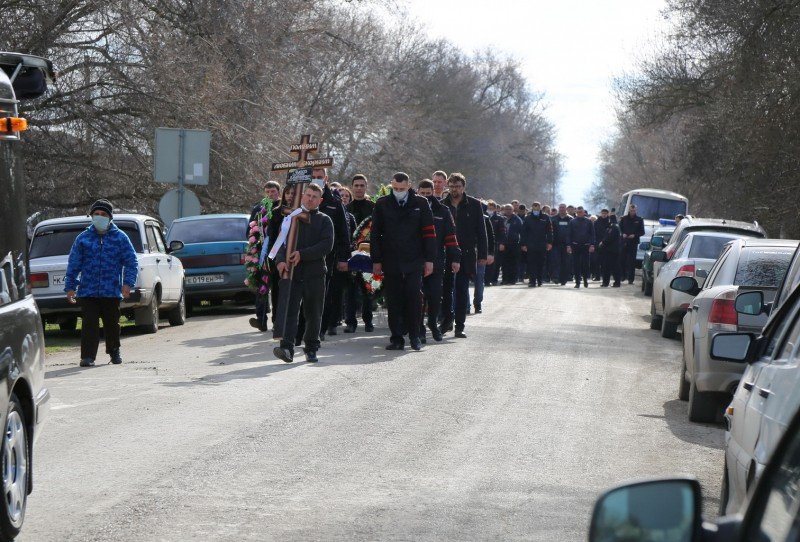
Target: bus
point(656, 207)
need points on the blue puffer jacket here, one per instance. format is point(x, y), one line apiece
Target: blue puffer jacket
point(100, 260)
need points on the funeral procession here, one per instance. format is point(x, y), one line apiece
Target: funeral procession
point(400, 270)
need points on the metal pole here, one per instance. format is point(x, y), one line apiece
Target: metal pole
point(181, 173)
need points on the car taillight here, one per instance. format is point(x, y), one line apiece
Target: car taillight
point(723, 316)
point(40, 280)
point(686, 271)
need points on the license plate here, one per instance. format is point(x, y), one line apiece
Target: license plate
point(205, 279)
point(57, 280)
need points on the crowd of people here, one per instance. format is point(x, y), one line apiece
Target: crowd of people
point(427, 246)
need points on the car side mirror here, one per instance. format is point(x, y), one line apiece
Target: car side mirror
point(175, 246)
point(657, 241)
point(686, 285)
point(751, 303)
point(667, 509)
point(658, 256)
point(732, 346)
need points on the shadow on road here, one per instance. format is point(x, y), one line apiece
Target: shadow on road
point(703, 434)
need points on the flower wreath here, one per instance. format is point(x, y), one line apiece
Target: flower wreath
point(255, 262)
point(361, 263)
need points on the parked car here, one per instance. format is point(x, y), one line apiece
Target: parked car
point(692, 224)
point(744, 265)
point(768, 393)
point(159, 286)
point(24, 397)
point(670, 509)
point(659, 240)
point(214, 248)
point(693, 257)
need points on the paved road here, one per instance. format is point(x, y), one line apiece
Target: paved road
point(509, 434)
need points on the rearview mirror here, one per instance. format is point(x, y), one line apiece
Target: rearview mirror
point(657, 241)
point(731, 346)
point(666, 509)
point(658, 256)
point(687, 285)
point(751, 303)
point(175, 246)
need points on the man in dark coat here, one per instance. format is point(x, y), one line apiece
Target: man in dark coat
point(472, 239)
point(537, 239)
point(581, 235)
point(361, 206)
point(315, 240)
point(600, 230)
point(403, 248)
point(498, 222)
point(632, 228)
point(561, 245)
point(448, 255)
point(272, 192)
point(480, 275)
point(510, 245)
point(609, 251)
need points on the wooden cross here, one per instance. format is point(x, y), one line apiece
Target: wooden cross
point(299, 173)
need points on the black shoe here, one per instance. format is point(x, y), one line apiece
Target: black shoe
point(349, 329)
point(395, 346)
point(447, 325)
point(436, 334)
point(540, 284)
point(604, 285)
point(298, 341)
point(531, 285)
point(478, 308)
point(332, 330)
point(423, 339)
point(116, 359)
point(460, 333)
point(585, 283)
point(416, 343)
point(563, 284)
point(321, 336)
point(577, 285)
point(87, 362)
point(254, 322)
point(369, 328)
point(630, 282)
point(615, 285)
point(283, 354)
point(311, 356)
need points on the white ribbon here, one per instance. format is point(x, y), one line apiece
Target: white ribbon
point(285, 225)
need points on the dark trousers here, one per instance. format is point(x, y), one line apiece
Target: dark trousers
point(491, 271)
point(536, 260)
point(610, 266)
point(480, 278)
point(551, 266)
point(403, 303)
point(92, 309)
point(594, 264)
point(561, 262)
point(334, 290)
point(629, 259)
point(311, 292)
point(448, 285)
point(356, 295)
point(580, 260)
point(432, 288)
point(510, 264)
point(461, 296)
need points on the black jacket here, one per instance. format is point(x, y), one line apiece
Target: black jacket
point(561, 229)
point(471, 232)
point(499, 227)
point(612, 239)
point(447, 250)
point(600, 228)
point(361, 209)
point(332, 206)
point(581, 231)
point(513, 231)
point(314, 242)
point(632, 225)
point(491, 242)
point(537, 232)
point(351, 225)
point(402, 239)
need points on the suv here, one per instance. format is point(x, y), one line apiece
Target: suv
point(24, 399)
point(159, 286)
point(660, 238)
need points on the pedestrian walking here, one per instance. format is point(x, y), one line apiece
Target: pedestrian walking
point(101, 270)
point(609, 250)
point(258, 230)
point(510, 245)
point(561, 245)
point(581, 234)
point(632, 228)
point(537, 240)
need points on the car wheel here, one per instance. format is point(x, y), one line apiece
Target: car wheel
point(655, 320)
point(177, 315)
point(15, 471)
point(648, 288)
point(724, 493)
point(68, 324)
point(669, 330)
point(703, 406)
point(147, 317)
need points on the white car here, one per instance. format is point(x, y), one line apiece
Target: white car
point(159, 285)
point(693, 257)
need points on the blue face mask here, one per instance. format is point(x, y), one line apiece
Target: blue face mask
point(101, 222)
point(535, 213)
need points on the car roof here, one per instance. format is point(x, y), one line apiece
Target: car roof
point(84, 219)
point(694, 222)
point(713, 233)
point(755, 242)
point(206, 217)
point(664, 229)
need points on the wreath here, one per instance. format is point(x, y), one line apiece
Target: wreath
point(255, 261)
point(360, 262)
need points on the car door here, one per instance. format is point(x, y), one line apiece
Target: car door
point(167, 265)
point(666, 274)
point(149, 274)
point(694, 323)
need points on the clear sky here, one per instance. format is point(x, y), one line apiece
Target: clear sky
point(569, 49)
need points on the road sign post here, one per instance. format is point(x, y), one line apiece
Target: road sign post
point(181, 156)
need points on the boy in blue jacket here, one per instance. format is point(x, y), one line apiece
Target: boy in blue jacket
point(102, 269)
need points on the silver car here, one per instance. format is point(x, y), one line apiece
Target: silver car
point(693, 257)
point(743, 265)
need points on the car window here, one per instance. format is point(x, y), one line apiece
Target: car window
point(679, 250)
point(762, 267)
point(57, 240)
point(707, 246)
point(715, 269)
point(6, 279)
point(154, 239)
point(152, 246)
point(779, 322)
point(792, 280)
point(209, 230)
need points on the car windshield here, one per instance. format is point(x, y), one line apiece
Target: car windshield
point(57, 240)
point(762, 267)
point(652, 208)
point(208, 230)
point(707, 246)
